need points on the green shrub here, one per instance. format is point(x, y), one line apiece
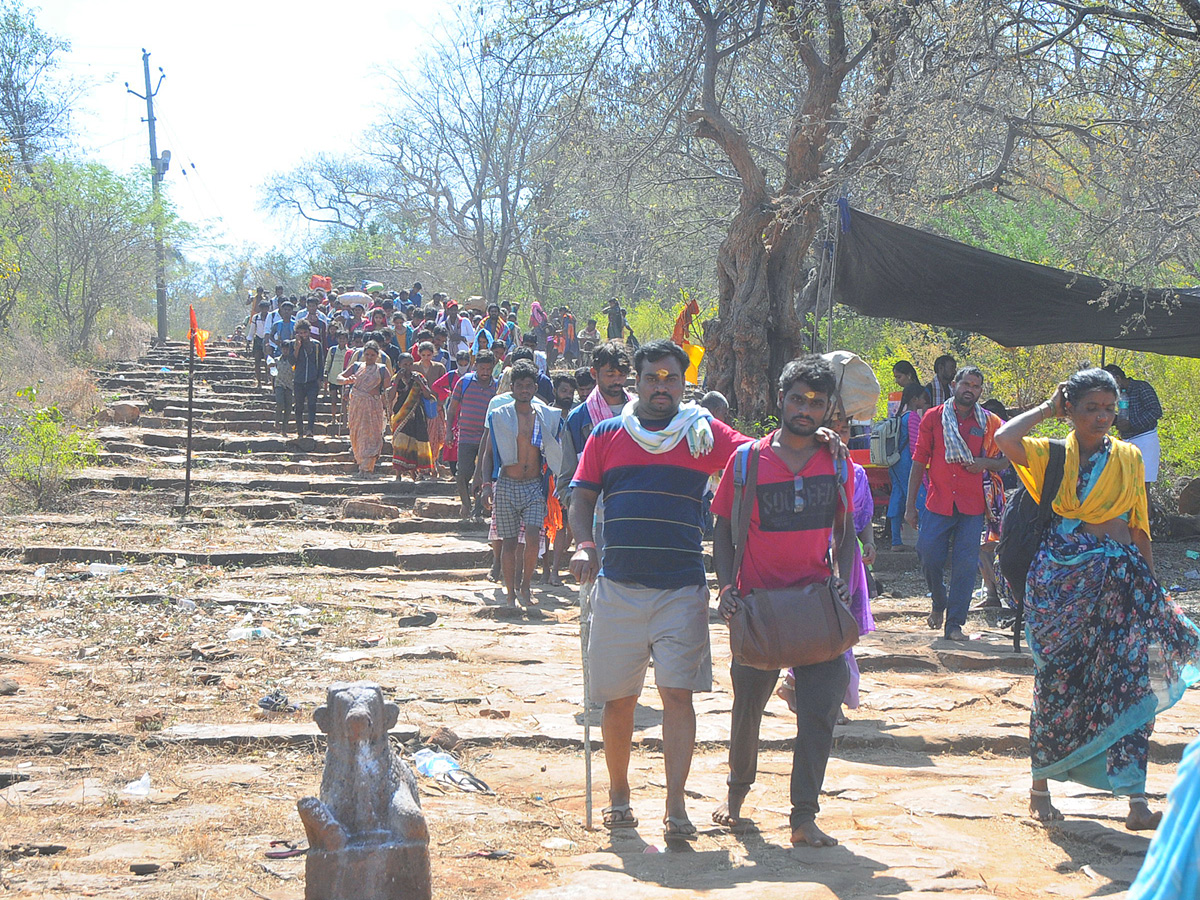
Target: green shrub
point(39, 449)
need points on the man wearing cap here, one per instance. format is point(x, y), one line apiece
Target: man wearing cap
point(258, 336)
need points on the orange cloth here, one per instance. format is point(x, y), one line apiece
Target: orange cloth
point(196, 334)
point(683, 324)
point(554, 519)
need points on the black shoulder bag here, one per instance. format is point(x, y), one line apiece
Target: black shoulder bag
point(1023, 529)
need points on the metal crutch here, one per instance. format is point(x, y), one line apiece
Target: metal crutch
point(585, 627)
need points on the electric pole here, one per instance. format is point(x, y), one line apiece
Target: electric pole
point(158, 169)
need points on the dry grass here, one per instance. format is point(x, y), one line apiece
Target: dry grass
point(126, 340)
point(27, 360)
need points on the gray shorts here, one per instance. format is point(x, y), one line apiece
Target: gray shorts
point(515, 503)
point(632, 625)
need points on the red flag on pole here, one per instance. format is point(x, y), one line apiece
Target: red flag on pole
point(195, 334)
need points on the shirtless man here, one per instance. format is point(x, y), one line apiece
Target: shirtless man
point(524, 433)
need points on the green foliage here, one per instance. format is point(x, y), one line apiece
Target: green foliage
point(757, 429)
point(1021, 377)
point(83, 239)
point(655, 318)
point(39, 450)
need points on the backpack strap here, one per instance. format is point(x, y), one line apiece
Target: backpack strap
point(1055, 469)
point(745, 481)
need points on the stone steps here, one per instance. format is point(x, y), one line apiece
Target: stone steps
point(345, 558)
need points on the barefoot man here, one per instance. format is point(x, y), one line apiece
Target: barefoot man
point(796, 504)
point(651, 464)
point(523, 442)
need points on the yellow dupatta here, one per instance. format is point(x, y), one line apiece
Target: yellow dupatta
point(1120, 488)
point(411, 401)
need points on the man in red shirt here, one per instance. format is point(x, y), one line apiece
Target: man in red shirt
point(796, 503)
point(956, 445)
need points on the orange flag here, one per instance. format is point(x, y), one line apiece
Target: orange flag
point(196, 334)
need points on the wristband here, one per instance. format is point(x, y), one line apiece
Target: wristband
point(585, 545)
point(725, 590)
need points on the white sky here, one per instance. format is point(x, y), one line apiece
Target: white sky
point(253, 87)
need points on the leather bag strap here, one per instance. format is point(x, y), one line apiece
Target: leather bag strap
point(743, 502)
point(743, 505)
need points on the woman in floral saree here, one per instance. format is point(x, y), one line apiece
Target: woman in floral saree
point(1111, 649)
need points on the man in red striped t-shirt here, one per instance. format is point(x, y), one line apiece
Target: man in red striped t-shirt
point(468, 407)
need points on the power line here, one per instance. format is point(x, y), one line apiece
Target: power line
point(190, 171)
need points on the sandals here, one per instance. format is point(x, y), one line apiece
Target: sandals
point(619, 817)
point(277, 701)
point(679, 828)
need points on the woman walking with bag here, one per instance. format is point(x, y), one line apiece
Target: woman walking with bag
point(1094, 610)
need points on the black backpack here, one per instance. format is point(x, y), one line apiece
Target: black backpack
point(1023, 528)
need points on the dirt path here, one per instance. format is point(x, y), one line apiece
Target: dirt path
point(131, 672)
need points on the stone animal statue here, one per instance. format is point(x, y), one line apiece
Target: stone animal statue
point(366, 834)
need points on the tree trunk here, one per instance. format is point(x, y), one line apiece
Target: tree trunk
point(760, 270)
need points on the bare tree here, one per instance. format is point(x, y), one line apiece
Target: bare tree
point(34, 103)
point(347, 192)
point(85, 244)
point(475, 139)
point(904, 103)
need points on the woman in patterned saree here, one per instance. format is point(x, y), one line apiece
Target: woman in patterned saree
point(1111, 649)
point(368, 380)
point(411, 452)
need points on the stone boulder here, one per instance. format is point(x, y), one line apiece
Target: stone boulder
point(125, 413)
point(1189, 498)
point(368, 509)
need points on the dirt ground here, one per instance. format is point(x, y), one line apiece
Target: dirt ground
point(926, 788)
point(121, 674)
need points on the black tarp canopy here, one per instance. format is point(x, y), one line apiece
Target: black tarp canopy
point(893, 271)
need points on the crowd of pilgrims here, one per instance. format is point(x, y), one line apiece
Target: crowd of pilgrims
point(1111, 647)
point(420, 371)
point(396, 357)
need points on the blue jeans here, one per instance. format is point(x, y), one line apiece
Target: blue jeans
point(306, 393)
point(957, 537)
